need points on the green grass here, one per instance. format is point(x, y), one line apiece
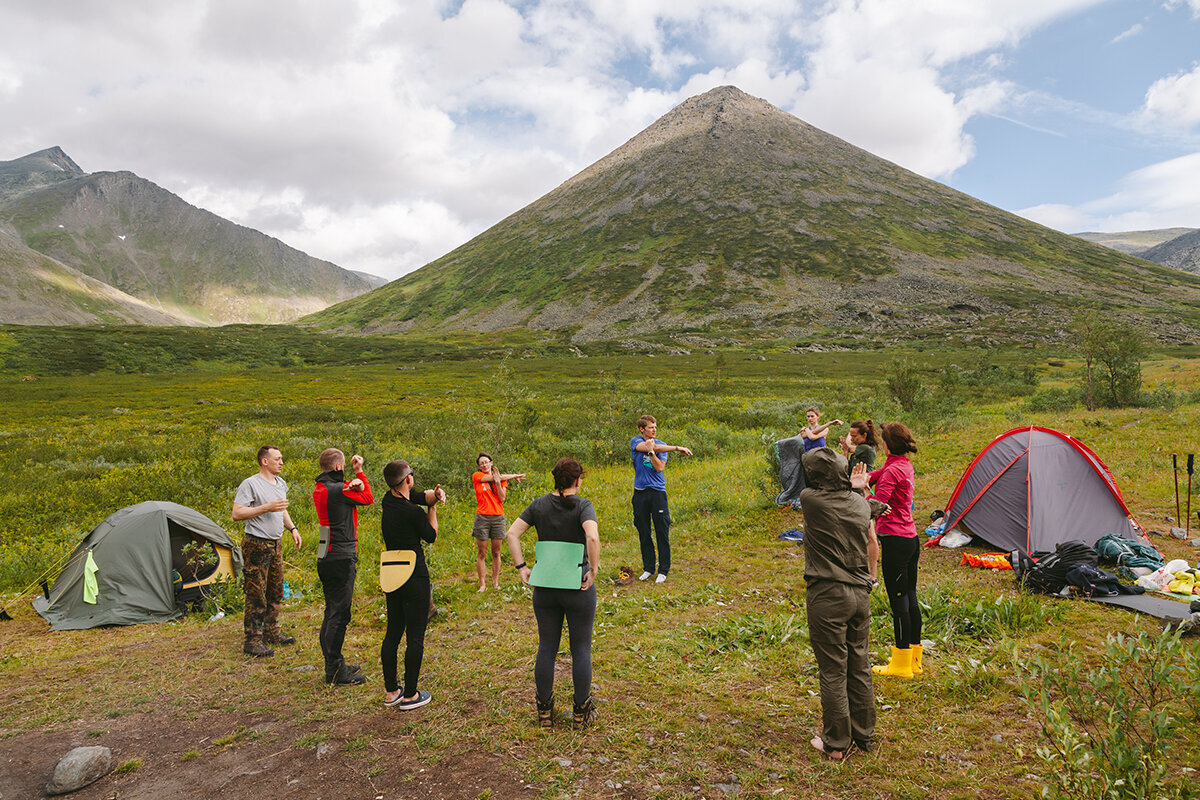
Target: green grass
point(706, 676)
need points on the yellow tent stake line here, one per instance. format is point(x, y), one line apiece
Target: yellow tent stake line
point(56, 567)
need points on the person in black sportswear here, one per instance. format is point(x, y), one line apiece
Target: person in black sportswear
point(562, 517)
point(404, 527)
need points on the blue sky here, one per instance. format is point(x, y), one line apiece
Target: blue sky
point(381, 134)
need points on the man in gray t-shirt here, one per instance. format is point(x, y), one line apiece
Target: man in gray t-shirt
point(261, 503)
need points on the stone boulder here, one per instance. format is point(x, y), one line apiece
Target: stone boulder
point(78, 768)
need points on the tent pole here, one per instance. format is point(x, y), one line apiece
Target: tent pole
point(1190, 464)
point(1175, 472)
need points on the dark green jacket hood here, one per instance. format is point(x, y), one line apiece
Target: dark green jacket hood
point(836, 520)
point(825, 469)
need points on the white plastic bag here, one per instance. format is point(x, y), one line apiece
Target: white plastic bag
point(955, 538)
point(1157, 581)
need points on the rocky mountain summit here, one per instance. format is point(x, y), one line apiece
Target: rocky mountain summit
point(114, 247)
point(730, 217)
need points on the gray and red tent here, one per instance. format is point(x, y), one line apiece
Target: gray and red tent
point(1032, 488)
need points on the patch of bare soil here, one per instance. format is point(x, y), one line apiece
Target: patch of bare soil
point(265, 759)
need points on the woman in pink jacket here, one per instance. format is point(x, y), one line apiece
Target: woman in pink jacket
point(893, 484)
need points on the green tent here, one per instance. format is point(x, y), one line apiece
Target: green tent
point(138, 566)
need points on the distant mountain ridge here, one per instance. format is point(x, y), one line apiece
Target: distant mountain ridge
point(1135, 243)
point(728, 216)
point(1181, 252)
point(183, 264)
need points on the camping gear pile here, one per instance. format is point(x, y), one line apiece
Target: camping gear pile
point(1175, 577)
point(1071, 565)
point(133, 568)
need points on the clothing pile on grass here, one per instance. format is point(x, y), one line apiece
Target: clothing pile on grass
point(1176, 578)
point(1073, 566)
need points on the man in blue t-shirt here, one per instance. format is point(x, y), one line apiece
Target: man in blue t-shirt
point(650, 496)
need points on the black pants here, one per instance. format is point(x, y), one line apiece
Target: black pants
point(337, 582)
point(651, 505)
point(407, 612)
point(550, 607)
point(839, 621)
point(900, 554)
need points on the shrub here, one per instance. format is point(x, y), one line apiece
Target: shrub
point(1108, 727)
point(1052, 400)
point(904, 383)
point(1166, 396)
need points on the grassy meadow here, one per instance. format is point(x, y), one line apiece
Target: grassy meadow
point(706, 684)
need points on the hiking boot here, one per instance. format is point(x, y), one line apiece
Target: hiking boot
point(545, 713)
point(583, 717)
point(256, 648)
point(344, 676)
point(279, 637)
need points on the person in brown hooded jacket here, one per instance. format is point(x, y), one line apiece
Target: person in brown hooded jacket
point(837, 599)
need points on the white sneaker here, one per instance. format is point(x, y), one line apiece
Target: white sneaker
point(661, 579)
point(643, 576)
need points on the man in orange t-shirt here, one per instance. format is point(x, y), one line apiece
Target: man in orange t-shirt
point(491, 488)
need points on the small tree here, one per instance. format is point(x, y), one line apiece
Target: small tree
point(1112, 353)
point(904, 383)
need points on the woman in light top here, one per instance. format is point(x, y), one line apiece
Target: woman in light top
point(814, 432)
point(563, 516)
point(491, 490)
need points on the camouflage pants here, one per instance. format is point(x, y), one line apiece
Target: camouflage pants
point(262, 578)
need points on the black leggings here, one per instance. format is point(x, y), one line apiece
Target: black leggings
point(550, 606)
point(900, 554)
point(407, 611)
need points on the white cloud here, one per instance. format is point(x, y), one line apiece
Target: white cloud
point(379, 134)
point(1128, 33)
point(1174, 101)
point(1162, 195)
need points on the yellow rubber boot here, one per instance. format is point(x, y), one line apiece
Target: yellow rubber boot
point(900, 666)
point(916, 658)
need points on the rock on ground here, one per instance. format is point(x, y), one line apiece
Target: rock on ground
point(78, 768)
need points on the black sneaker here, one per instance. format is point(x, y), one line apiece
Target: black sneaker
point(416, 702)
point(344, 676)
point(583, 716)
point(257, 649)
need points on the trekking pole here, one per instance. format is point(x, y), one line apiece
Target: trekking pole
point(1191, 463)
point(1175, 472)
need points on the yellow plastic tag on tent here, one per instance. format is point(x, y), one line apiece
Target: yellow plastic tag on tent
point(91, 588)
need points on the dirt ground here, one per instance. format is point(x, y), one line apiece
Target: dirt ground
point(264, 764)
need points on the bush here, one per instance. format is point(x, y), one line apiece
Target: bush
point(1166, 396)
point(904, 383)
point(1108, 727)
point(1052, 400)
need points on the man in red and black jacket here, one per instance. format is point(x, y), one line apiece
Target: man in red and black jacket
point(337, 501)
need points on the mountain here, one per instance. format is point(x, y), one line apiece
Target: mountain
point(1182, 252)
point(1135, 243)
point(728, 216)
point(37, 290)
point(146, 243)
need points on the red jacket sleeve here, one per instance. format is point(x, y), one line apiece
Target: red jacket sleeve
point(362, 497)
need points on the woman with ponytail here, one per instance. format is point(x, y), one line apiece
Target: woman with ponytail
point(563, 516)
point(894, 484)
point(859, 446)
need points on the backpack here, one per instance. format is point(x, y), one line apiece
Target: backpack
point(1049, 574)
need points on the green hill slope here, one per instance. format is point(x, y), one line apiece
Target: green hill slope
point(148, 243)
point(729, 216)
